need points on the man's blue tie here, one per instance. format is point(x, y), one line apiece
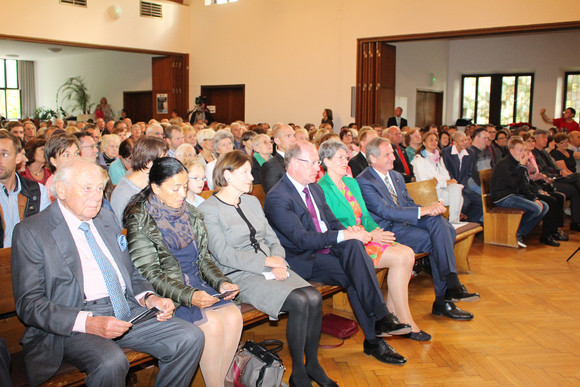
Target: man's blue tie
point(118, 300)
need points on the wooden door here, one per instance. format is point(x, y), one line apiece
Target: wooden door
point(229, 102)
point(170, 85)
point(375, 86)
point(138, 105)
point(429, 108)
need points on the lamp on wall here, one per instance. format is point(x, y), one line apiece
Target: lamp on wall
point(115, 12)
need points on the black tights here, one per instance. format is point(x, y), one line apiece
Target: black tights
point(304, 307)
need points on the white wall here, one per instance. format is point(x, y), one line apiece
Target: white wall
point(417, 62)
point(547, 55)
point(297, 57)
point(106, 74)
point(49, 19)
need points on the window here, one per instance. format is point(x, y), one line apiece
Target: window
point(500, 99)
point(572, 91)
point(9, 92)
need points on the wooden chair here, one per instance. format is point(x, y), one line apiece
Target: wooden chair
point(501, 224)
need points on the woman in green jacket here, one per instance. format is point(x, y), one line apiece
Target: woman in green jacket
point(168, 245)
point(344, 198)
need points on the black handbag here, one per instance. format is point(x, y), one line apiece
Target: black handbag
point(255, 365)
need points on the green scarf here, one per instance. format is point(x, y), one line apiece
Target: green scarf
point(259, 158)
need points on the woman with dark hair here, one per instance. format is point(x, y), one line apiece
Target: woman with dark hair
point(145, 151)
point(36, 168)
point(327, 117)
point(59, 150)
point(247, 145)
point(119, 167)
point(444, 140)
point(565, 158)
point(248, 251)
point(428, 164)
point(347, 137)
point(168, 245)
point(345, 200)
point(499, 145)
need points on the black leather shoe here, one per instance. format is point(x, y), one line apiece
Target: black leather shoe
point(560, 235)
point(383, 352)
point(548, 240)
point(449, 310)
point(418, 336)
point(575, 226)
point(330, 383)
point(390, 325)
point(460, 293)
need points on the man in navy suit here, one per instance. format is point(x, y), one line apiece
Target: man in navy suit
point(421, 228)
point(320, 249)
point(273, 169)
point(459, 162)
point(359, 162)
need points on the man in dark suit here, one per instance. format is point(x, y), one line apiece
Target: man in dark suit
point(459, 162)
point(397, 120)
point(421, 228)
point(401, 164)
point(319, 248)
point(273, 169)
point(76, 289)
point(359, 162)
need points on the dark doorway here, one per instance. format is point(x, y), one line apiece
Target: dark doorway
point(138, 105)
point(429, 109)
point(229, 102)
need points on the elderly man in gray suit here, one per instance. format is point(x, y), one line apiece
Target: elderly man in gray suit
point(76, 289)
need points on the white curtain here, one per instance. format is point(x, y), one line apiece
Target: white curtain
point(27, 87)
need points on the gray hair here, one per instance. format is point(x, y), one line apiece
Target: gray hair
point(294, 152)
point(537, 132)
point(328, 149)
point(66, 173)
point(373, 147)
point(260, 137)
point(457, 135)
point(220, 135)
point(205, 134)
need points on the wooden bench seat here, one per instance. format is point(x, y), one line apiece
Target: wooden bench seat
point(501, 224)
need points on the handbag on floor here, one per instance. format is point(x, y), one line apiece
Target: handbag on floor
point(339, 327)
point(255, 365)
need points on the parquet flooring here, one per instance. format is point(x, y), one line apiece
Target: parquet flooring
point(525, 331)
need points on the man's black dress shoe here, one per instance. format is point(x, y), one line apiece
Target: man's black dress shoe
point(390, 325)
point(460, 293)
point(383, 352)
point(418, 336)
point(449, 310)
point(548, 240)
point(560, 236)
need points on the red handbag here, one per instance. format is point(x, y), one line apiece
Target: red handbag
point(339, 327)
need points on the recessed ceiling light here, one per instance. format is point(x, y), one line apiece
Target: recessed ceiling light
point(12, 56)
point(54, 49)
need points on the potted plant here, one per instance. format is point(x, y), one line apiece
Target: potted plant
point(75, 91)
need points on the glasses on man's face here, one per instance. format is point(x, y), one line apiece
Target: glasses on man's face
point(195, 178)
point(311, 163)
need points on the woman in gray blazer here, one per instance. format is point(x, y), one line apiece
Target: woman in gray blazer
point(248, 251)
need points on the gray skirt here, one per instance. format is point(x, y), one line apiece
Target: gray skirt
point(267, 296)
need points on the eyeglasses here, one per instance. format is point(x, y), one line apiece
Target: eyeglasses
point(341, 158)
point(195, 178)
point(312, 163)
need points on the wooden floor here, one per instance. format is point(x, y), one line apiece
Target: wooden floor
point(526, 330)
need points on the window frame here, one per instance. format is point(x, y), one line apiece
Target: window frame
point(6, 88)
point(495, 95)
point(566, 74)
